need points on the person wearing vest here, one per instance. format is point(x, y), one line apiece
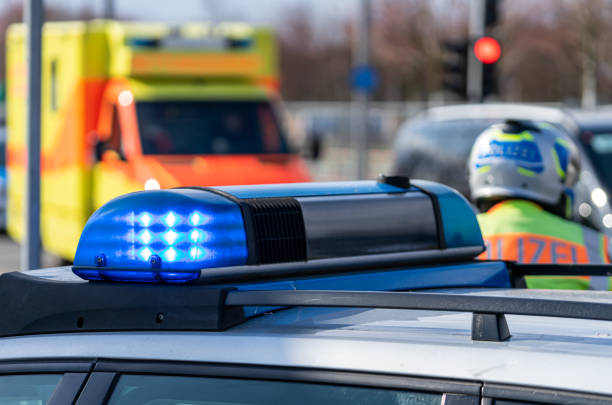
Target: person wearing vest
point(520, 176)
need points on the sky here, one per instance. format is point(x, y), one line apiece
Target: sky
point(327, 16)
point(253, 11)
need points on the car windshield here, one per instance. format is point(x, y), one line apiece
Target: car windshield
point(598, 145)
point(209, 127)
point(438, 150)
point(457, 135)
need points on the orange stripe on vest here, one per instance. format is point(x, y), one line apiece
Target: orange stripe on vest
point(529, 248)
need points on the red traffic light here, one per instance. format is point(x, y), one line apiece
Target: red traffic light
point(487, 50)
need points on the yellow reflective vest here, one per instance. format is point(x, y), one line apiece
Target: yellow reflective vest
point(521, 231)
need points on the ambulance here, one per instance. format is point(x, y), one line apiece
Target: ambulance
point(133, 106)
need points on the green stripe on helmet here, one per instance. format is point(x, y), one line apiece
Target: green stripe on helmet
point(526, 172)
point(563, 143)
point(502, 136)
point(558, 167)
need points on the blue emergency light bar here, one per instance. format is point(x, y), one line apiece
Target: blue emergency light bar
point(174, 236)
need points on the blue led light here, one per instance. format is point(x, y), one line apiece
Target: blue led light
point(197, 252)
point(170, 255)
point(145, 219)
point(170, 237)
point(145, 253)
point(197, 236)
point(145, 236)
point(170, 219)
point(197, 218)
point(188, 230)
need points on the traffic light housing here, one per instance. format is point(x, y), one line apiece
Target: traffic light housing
point(493, 49)
point(455, 65)
point(488, 51)
point(491, 13)
point(489, 79)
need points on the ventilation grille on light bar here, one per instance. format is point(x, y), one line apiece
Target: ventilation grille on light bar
point(278, 228)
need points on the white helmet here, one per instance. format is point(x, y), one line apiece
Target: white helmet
point(523, 159)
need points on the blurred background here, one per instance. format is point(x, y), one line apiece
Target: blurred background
point(345, 99)
point(548, 47)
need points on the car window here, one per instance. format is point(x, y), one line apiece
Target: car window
point(27, 389)
point(209, 127)
point(598, 147)
point(456, 135)
point(438, 150)
point(177, 390)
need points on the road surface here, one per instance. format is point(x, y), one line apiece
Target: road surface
point(9, 256)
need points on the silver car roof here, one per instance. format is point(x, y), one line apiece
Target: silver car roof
point(556, 353)
point(501, 111)
point(599, 117)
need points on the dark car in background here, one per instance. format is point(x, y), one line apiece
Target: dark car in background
point(595, 139)
point(435, 145)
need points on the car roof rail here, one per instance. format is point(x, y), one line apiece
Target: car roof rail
point(488, 321)
point(34, 305)
point(518, 271)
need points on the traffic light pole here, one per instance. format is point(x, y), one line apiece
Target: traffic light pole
point(109, 9)
point(30, 250)
point(474, 66)
point(361, 99)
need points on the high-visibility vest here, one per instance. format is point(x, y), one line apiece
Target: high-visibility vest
point(521, 231)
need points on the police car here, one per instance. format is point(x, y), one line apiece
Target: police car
point(330, 293)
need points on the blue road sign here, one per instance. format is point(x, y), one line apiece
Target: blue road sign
point(364, 78)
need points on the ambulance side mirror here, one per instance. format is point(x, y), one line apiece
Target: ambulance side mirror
point(99, 148)
point(105, 152)
point(313, 146)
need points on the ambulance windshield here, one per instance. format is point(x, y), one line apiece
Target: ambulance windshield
point(209, 127)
